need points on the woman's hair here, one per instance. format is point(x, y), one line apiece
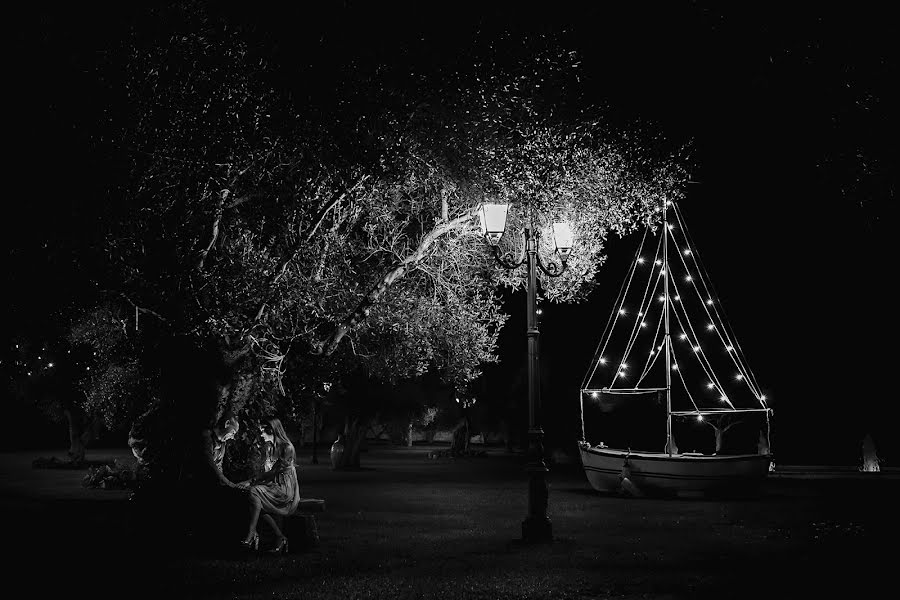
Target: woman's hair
point(279, 434)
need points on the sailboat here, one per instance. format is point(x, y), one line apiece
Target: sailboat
point(668, 356)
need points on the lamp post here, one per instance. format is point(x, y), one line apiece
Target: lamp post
point(537, 526)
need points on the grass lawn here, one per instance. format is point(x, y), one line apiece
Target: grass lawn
point(409, 527)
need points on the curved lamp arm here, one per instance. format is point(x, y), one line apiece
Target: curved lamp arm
point(551, 269)
point(507, 260)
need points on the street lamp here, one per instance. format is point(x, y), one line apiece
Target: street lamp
point(492, 218)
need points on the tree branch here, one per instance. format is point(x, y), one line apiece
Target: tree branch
point(397, 271)
point(214, 235)
point(295, 248)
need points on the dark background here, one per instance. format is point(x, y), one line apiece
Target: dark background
point(788, 109)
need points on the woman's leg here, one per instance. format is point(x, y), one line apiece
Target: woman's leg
point(255, 508)
point(271, 522)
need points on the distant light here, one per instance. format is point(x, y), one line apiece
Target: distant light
point(696, 348)
point(29, 373)
point(49, 364)
point(17, 346)
point(683, 336)
point(540, 311)
point(88, 368)
point(710, 385)
point(39, 358)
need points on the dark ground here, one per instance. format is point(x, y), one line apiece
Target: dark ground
point(409, 527)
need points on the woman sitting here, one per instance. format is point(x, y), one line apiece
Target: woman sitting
point(277, 490)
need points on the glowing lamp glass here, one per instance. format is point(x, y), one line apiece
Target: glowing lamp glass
point(563, 238)
point(492, 221)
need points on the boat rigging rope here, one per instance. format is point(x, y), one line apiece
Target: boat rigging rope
point(707, 286)
point(613, 318)
point(707, 366)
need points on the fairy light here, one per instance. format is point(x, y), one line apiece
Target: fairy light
point(696, 348)
point(699, 417)
point(658, 262)
point(677, 298)
point(710, 385)
point(623, 366)
point(662, 298)
point(671, 227)
point(621, 311)
point(723, 398)
point(710, 327)
point(709, 300)
point(763, 398)
point(643, 323)
point(688, 278)
point(640, 313)
point(641, 259)
point(683, 336)
point(729, 348)
point(675, 367)
point(50, 365)
point(602, 361)
point(594, 395)
point(662, 271)
point(739, 376)
point(687, 252)
point(651, 351)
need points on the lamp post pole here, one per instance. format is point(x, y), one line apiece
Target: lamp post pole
point(536, 527)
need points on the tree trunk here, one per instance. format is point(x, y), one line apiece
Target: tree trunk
point(354, 433)
point(459, 443)
point(76, 441)
point(409, 435)
point(719, 434)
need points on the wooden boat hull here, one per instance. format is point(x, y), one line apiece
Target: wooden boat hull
point(658, 473)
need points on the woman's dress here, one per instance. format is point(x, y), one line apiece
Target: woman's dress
point(281, 495)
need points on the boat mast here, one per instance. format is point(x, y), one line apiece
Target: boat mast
point(668, 342)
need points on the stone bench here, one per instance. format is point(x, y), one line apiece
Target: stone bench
point(300, 527)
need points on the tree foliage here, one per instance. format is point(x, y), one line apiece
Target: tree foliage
point(313, 240)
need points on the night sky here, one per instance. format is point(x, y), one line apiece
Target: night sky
point(788, 111)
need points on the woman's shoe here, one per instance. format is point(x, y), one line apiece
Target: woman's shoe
point(281, 547)
point(252, 543)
